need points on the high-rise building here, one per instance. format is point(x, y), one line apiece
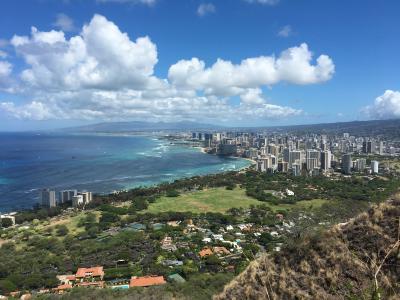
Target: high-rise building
point(294, 157)
point(347, 163)
point(324, 146)
point(208, 138)
point(309, 145)
point(298, 144)
point(326, 160)
point(311, 164)
point(66, 195)
point(267, 163)
point(381, 148)
point(226, 149)
point(375, 167)
point(77, 200)
point(369, 147)
point(272, 149)
point(48, 198)
point(360, 164)
point(312, 159)
point(261, 166)
point(283, 166)
point(86, 196)
point(286, 154)
point(296, 169)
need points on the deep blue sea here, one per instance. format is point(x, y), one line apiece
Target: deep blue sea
point(98, 163)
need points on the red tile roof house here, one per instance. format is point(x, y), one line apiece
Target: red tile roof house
point(66, 283)
point(66, 279)
point(90, 277)
point(146, 281)
point(221, 250)
point(62, 288)
point(205, 252)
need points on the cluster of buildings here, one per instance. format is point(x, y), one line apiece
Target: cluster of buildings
point(48, 198)
point(94, 277)
point(308, 154)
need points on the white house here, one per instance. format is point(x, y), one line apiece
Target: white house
point(289, 192)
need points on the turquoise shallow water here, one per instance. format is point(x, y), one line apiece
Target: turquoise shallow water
point(102, 164)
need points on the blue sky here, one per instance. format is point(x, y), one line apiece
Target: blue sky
point(359, 37)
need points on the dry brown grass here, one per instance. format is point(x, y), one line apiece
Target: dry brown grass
point(335, 264)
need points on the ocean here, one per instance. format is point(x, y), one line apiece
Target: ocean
point(97, 163)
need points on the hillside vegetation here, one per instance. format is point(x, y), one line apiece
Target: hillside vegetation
point(356, 260)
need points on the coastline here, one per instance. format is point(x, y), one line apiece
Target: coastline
point(228, 165)
point(252, 162)
point(200, 149)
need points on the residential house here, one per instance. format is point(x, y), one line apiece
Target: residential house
point(90, 277)
point(166, 244)
point(221, 251)
point(62, 288)
point(169, 262)
point(146, 281)
point(245, 227)
point(206, 240)
point(66, 279)
point(289, 192)
point(229, 227)
point(205, 252)
point(217, 237)
point(174, 223)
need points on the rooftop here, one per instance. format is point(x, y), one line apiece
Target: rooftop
point(146, 281)
point(89, 272)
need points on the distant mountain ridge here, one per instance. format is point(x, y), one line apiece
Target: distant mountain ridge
point(140, 126)
point(387, 128)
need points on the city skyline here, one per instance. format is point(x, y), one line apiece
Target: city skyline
point(232, 63)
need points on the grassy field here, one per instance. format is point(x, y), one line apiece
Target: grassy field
point(71, 222)
point(211, 200)
point(218, 200)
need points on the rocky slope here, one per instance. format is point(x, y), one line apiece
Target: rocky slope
point(336, 264)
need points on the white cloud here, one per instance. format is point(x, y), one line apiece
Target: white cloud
point(5, 69)
point(3, 54)
point(285, 31)
point(129, 104)
point(267, 2)
point(101, 57)
point(225, 78)
point(254, 105)
point(32, 111)
point(101, 74)
point(205, 9)
point(5, 79)
point(386, 106)
point(64, 23)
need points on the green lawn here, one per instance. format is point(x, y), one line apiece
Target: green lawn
point(305, 204)
point(210, 200)
point(219, 200)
